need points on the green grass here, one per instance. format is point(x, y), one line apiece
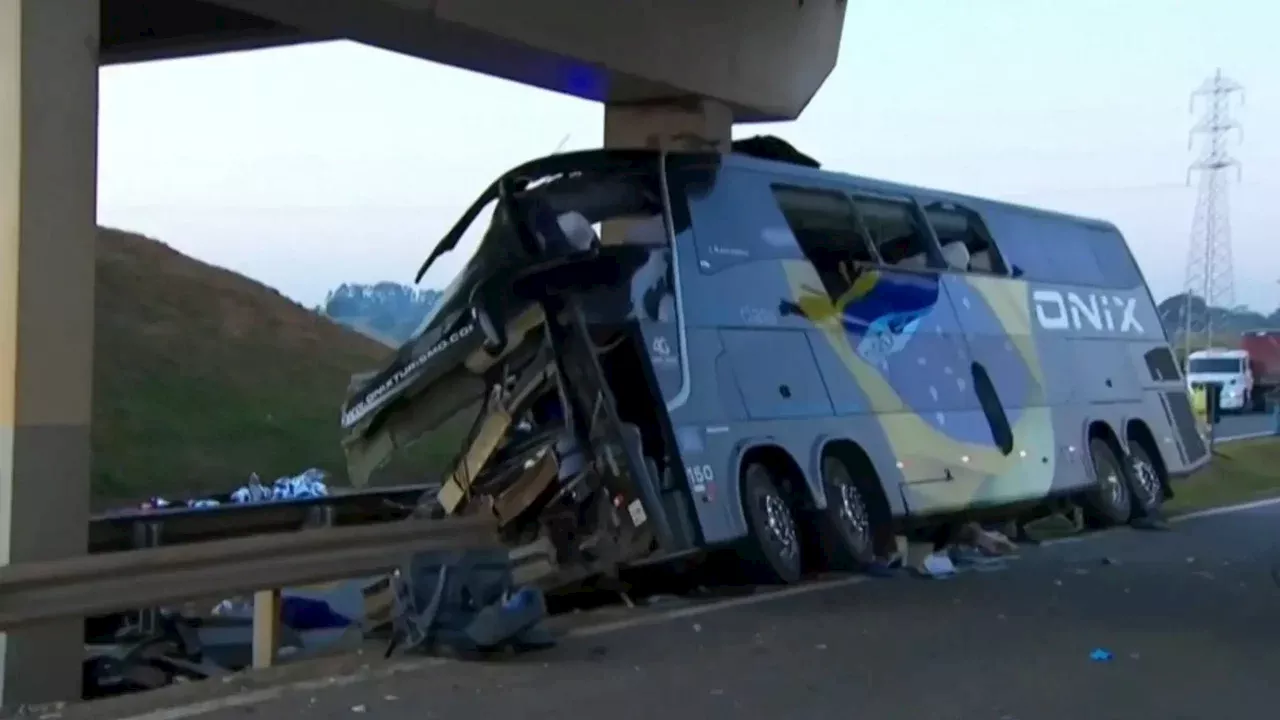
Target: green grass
point(1240, 472)
point(202, 376)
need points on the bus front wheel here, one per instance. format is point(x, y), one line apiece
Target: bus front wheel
point(771, 549)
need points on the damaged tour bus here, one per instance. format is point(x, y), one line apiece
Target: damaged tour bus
point(661, 352)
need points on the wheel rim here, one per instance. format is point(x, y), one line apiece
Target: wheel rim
point(1144, 472)
point(851, 510)
point(1112, 482)
point(781, 527)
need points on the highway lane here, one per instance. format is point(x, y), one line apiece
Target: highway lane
point(1188, 617)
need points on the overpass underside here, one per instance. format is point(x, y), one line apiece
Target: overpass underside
point(662, 68)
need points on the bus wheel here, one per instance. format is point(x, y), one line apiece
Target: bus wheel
point(1110, 502)
point(1146, 486)
point(772, 546)
point(845, 525)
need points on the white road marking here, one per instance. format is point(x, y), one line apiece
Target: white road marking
point(1208, 512)
point(1246, 436)
point(1225, 509)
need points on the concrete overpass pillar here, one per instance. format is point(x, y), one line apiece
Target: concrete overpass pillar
point(684, 124)
point(48, 208)
point(692, 123)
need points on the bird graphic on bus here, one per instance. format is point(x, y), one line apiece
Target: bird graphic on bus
point(880, 314)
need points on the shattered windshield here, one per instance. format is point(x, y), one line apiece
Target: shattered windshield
point(595, 199)
point(453, 264)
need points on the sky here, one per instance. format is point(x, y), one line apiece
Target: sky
point(311, 166)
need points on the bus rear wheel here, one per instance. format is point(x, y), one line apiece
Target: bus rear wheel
point(1110, 502)
point(771, 551)
point(845, 526)
point(1146, 482)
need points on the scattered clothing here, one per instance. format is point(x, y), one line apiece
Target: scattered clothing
point(310, 484)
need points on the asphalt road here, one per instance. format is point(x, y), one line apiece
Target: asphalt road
point(1189, 617)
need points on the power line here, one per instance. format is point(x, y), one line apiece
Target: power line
point(1210, 275)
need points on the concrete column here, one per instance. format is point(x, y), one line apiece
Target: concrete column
point(48, 207)
point(685, 124)
point(693, 124)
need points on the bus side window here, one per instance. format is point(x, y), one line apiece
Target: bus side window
point(897, 233)
point(959, 226)
point(827, 231)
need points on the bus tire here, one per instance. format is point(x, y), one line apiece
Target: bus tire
point(771, 550)
point(1146, 482)
point(845, 525)
point(1110, 501)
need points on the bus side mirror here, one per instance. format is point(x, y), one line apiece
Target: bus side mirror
point(1015, 271)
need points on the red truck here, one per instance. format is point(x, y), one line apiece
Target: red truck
point(1263, 347)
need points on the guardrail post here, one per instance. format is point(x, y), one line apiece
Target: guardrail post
point(266, 627)
point(149, 617)
point(1275, 417)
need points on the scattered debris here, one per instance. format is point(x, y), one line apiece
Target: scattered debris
point(991, 543)
point(310, 483)
point(1100, 655)
point(887, 567)
point(465, 604)
point(936, 565)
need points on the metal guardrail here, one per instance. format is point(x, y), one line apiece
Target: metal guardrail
point(95, 584)
point(136, 529)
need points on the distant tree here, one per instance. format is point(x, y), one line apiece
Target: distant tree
point(1173, 312)
point(389, 309)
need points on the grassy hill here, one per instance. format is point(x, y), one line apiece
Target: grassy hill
point(369, 332)
point(203, 376)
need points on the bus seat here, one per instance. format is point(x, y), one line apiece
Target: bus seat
point(957, 255)
point(578, 231)
point(980, 261)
